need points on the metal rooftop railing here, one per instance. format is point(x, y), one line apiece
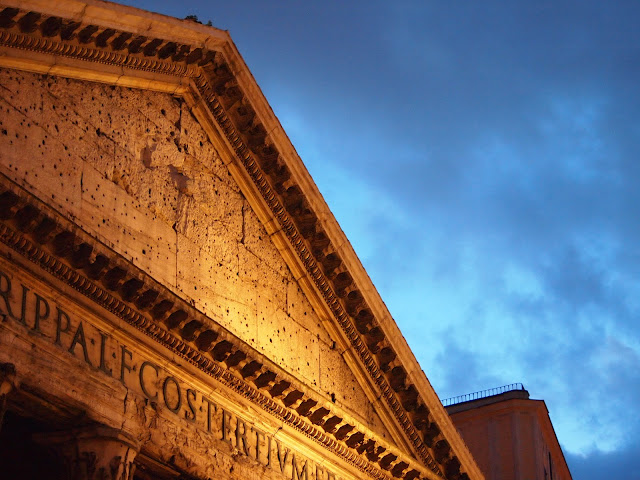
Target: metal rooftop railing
point(467, 397)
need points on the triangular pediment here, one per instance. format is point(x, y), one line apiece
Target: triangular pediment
point(172, 159)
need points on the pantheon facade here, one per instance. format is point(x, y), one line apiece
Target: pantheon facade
point(176, 298)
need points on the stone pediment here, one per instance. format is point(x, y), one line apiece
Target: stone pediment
point(407, 433)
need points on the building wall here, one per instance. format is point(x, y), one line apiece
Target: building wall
point(511, 438)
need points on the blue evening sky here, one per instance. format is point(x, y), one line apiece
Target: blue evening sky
point(482, 158)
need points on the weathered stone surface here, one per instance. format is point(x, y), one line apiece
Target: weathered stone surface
point(148, 243)
point(289, 344)
point(300, 311)
point(32, 151)
point(138, 142)
point(142, 406)
point(137, 171)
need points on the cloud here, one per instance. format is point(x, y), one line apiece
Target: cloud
point(623, 463)
point(505, 135)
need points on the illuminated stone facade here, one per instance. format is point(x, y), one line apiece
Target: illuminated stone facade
point(176, 299)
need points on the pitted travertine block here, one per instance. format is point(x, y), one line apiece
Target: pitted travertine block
point(299, 310)
point(200, 148)
point(31, 149)
point(255, 238)
point(61, 119)
point(123, 221)
point(135, 169)
point(289, 344)
point(340, 383)
point(216, 290)
point(23, 92)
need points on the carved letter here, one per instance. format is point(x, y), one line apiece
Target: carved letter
point(190, 417)
point(4, 293)
point(103, 344)
point(59, 328)
point(259, 434)
point(282, 459)
point(164, 394)
point(123, 363)
point(79, 338)
point(23, 310)
point(298, 474)
point(215, 409)
point(144, 365)
point(241, 437)
point(226, 426)
point(39, 314)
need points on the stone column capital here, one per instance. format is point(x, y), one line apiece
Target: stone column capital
point(95, 452)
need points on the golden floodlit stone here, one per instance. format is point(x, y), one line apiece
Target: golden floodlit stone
point(176, 298)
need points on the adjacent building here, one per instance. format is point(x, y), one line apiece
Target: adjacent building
point(510, 435)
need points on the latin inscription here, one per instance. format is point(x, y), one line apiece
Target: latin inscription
point(98, 350)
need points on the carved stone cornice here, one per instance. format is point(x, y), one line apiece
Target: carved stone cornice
point(242, 123)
